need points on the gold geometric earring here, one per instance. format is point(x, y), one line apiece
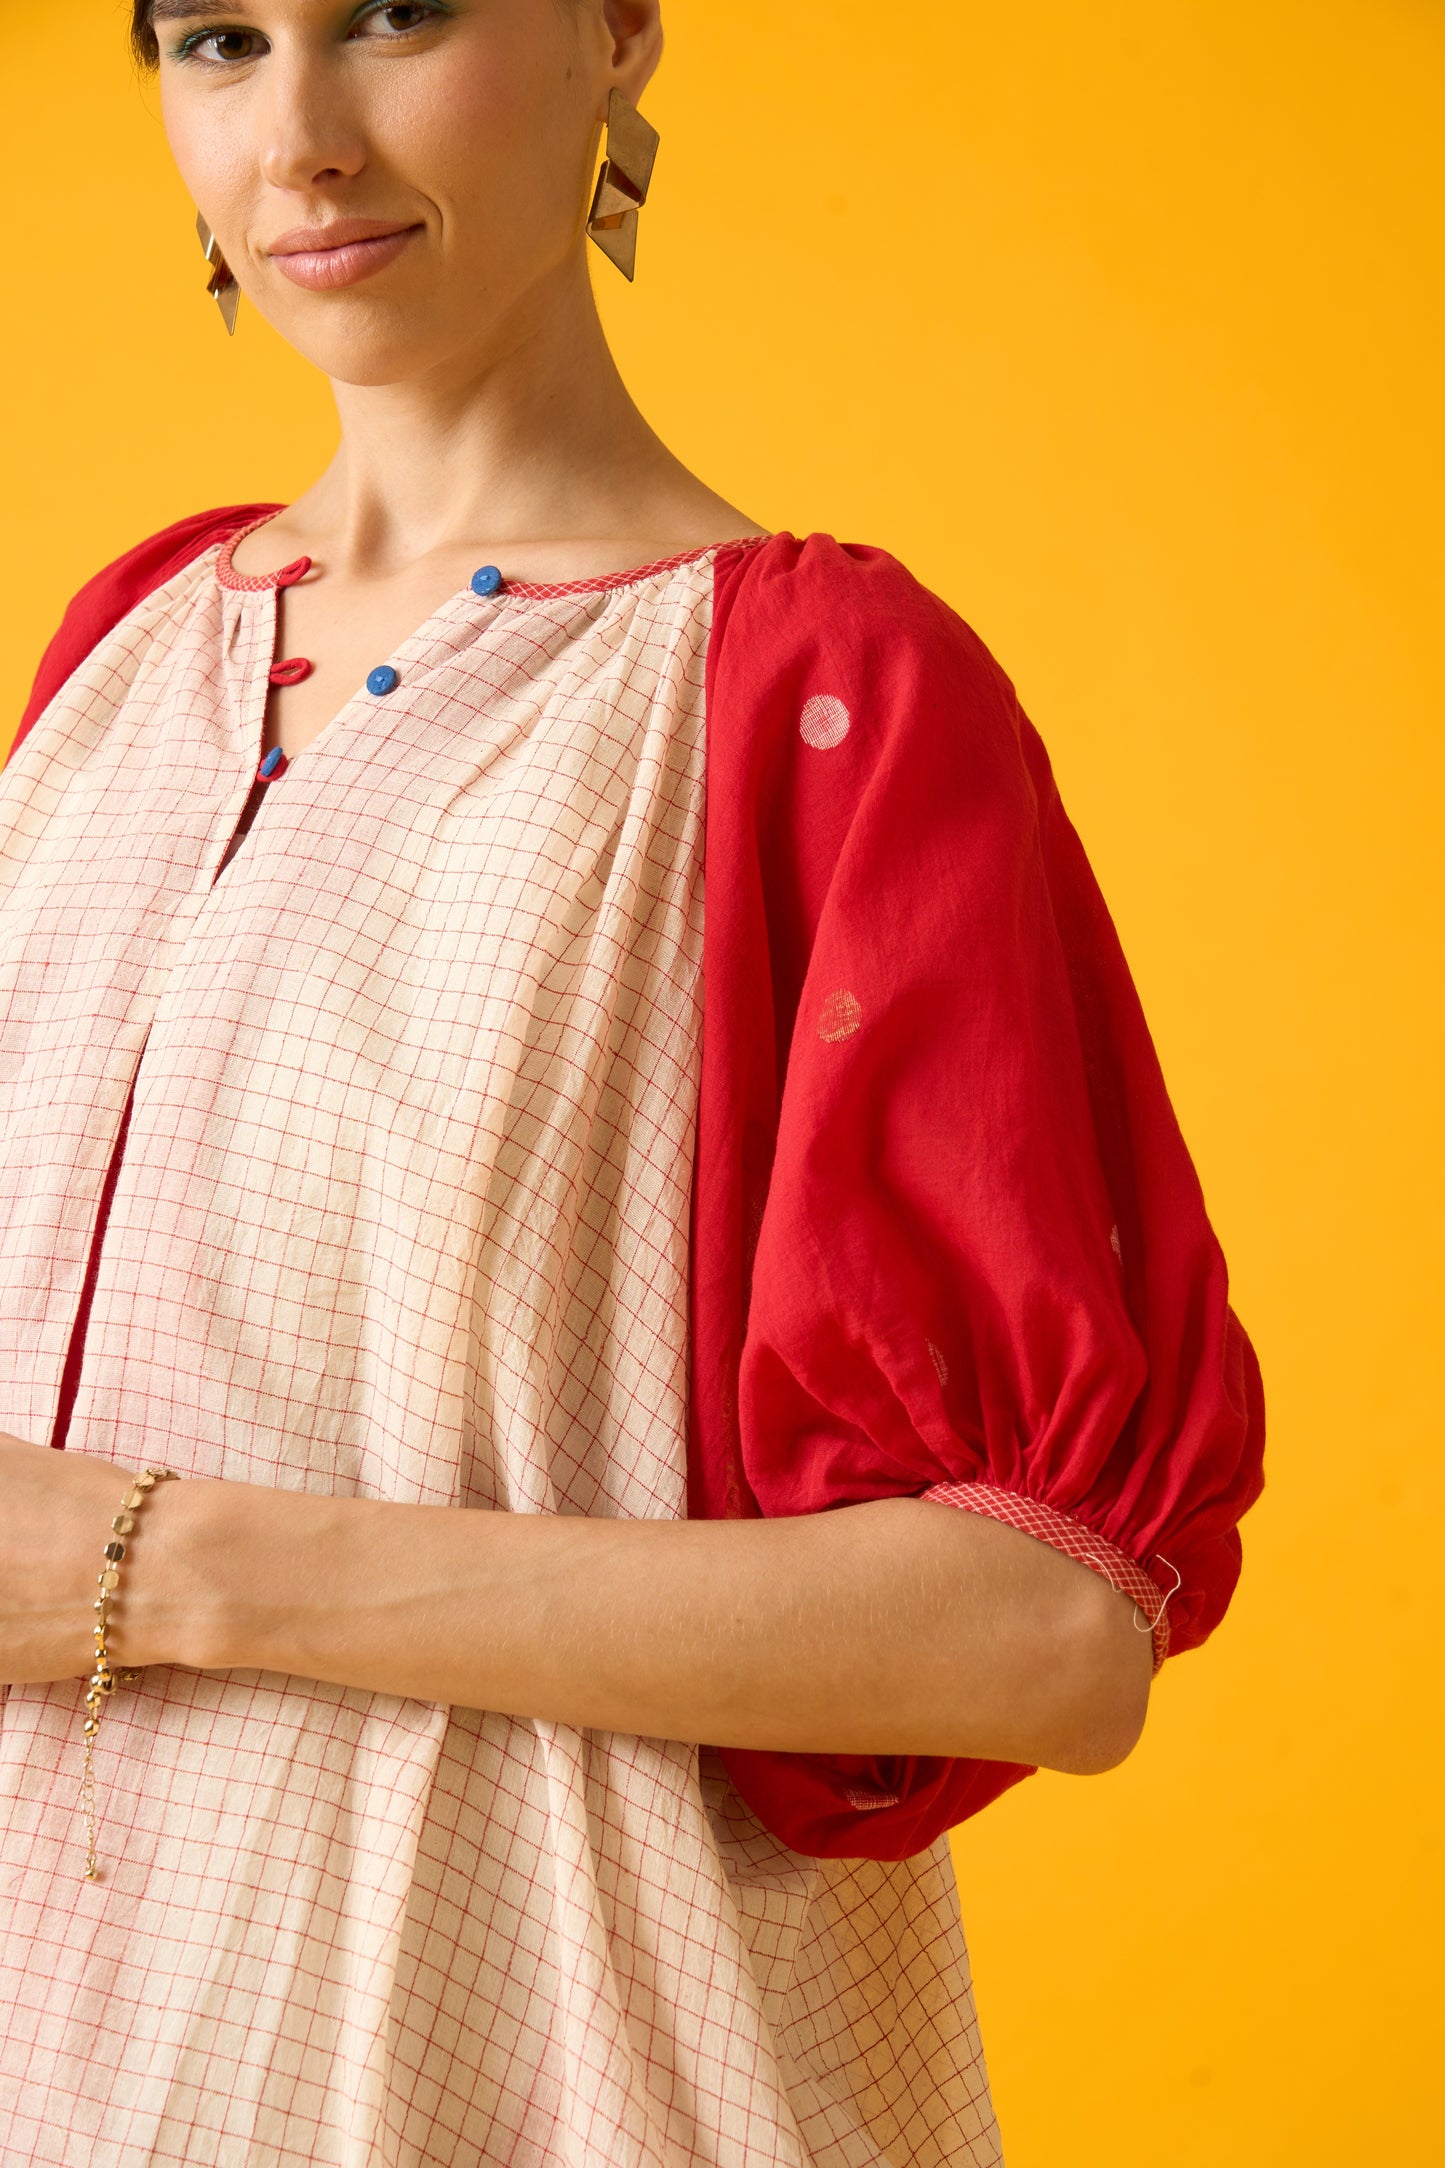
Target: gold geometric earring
point(623, 183)
point(222, 282)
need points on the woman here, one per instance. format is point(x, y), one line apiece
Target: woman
point(675, 1406)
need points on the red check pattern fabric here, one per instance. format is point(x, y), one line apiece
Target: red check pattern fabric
point(403, 1212)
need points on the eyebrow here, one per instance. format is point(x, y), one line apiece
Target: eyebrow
point(180, 11)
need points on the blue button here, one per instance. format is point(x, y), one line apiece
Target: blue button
point(488, 581)
point(273, 764)
point(383, 681)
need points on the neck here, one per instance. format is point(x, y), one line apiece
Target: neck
point(534, 440)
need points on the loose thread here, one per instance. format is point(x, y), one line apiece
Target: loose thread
point(1149, 1625)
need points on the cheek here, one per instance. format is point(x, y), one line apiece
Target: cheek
point(498, 148)
point(216, 162)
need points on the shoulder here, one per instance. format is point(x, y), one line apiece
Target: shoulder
point(114, 591)
point(795, 598)
point(867, 755)
point(120, 587)
point(819, 644)
point(830, 634)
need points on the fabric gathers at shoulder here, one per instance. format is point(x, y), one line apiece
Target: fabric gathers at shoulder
point(949, 1240)
point(121, 587)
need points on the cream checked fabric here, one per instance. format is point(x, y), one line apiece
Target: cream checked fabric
point(402, 1212)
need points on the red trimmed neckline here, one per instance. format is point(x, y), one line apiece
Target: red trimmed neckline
point(526, 590)
point(257, 583)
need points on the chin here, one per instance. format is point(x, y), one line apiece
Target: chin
point(370, 365)
point(375, 339)
point(366, 346)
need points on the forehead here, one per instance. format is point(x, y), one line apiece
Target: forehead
point(176, 11)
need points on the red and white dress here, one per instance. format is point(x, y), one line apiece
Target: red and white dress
point(667, 1053)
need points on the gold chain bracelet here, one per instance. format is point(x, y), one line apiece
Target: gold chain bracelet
point(103, 1680)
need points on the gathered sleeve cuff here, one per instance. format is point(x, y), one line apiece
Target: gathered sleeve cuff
point(1077, 1541)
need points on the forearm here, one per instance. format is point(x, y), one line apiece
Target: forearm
point(897, 1627)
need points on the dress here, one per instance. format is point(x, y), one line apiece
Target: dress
point(409, 1206)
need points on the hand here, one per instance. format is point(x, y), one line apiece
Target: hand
point(55, 1516)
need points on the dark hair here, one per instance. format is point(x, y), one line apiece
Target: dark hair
point(142, 36)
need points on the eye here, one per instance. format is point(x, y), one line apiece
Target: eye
point(397, 17)
point(219, 48)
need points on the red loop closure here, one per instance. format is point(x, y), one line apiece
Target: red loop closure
point(290, 574)
point(290, 673)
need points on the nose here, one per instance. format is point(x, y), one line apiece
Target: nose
point(309, 135)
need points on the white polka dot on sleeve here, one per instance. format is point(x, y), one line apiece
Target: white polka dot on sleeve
point(825, 722)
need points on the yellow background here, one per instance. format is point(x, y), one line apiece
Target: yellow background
point(1120, 323)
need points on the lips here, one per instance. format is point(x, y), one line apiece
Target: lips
point(340, 253)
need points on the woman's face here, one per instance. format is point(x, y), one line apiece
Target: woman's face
point(447, 145)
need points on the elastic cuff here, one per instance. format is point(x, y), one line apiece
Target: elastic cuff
point(1077, 1541)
